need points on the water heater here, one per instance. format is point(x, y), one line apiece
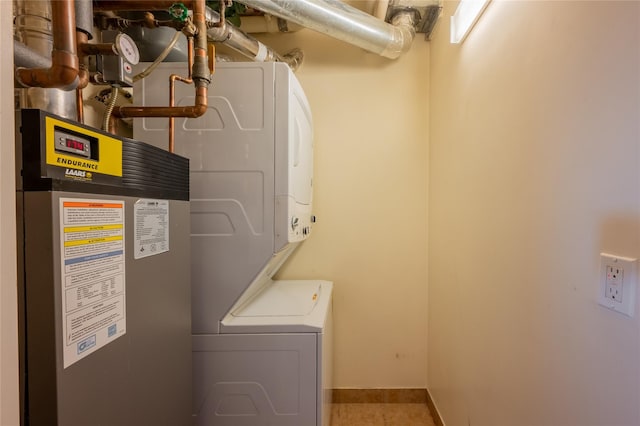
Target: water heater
point(104, 278)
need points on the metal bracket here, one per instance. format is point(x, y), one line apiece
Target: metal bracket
point(427, 13)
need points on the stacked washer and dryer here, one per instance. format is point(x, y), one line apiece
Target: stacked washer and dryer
point(261, 347)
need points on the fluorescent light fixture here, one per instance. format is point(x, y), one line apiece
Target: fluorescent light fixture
point(464, 19)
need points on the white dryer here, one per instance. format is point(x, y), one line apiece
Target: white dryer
point(261, 348)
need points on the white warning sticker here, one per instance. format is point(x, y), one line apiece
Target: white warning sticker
point(93, 275)
point(151, 221)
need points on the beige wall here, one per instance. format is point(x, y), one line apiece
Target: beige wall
point(534, 170)
point(8, 307)
point(370, 196)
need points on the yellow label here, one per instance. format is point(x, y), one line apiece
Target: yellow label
point(92, 241)
point(110, 150)
point(92, 228)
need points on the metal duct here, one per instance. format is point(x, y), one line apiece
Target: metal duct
point(341, 21)
point(267, 24)
point(25, 57)
point(84, 17)
point(33, 29)
point(246, 45)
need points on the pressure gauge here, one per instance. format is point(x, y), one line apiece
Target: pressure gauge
point(126, 47)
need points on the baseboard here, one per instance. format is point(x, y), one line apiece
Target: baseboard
point(435, 414)
point(379, 396)
point(387, 396)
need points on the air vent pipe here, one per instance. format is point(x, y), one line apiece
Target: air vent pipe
point(346, 23)
point(84, 17)
point(27, 58)
point(241, 42)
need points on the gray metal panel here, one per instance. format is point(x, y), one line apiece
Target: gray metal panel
point(141, 378)
point(232, 155)
point(41, 300)
point(255, 380)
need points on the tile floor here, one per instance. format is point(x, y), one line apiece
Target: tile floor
point(380, 414)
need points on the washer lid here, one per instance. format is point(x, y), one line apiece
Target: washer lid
point(283, 307)
point(282, 298)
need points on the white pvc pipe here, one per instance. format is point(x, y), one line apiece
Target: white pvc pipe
point(341, 21)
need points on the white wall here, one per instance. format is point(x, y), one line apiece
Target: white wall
point(370, 187)
point(534, 170)
point(9, 409)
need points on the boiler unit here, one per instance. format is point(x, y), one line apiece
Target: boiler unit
point(105, 299)
point(261, 347)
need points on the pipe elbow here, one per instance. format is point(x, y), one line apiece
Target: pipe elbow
point(62, 74)
point(83, 78)
point(403, 24)
point(199, 110)
point(51, 78)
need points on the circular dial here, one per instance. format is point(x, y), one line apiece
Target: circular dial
point(127, 48)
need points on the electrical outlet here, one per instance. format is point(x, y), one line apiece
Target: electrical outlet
point(617, 283)
point(613, 283)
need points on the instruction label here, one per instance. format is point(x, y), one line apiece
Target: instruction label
point(93, 275)
point(151, 221)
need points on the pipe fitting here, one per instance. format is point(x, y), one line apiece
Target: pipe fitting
point(64, 61)
point(61, 74)
point(294, 59)
point(200, 70)
point(405, 22)
point(97, 49)
point(200, 75)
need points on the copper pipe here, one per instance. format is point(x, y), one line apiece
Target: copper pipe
point(83, 77)
point(149, 20)
point(113, 125)
point(79, 106)
point(212, 58)
point(121, 23)
point(96, 49)
point(176, 77)
point(172, 92)
point(83, 74)
point(109, 5)
point(222, 22)
point(200, 75)
point(64, 61)
point(172, 87)
point(194, 111)
point(190, 57)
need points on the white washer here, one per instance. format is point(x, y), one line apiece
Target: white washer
point(276, 352)
point(261, 348)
